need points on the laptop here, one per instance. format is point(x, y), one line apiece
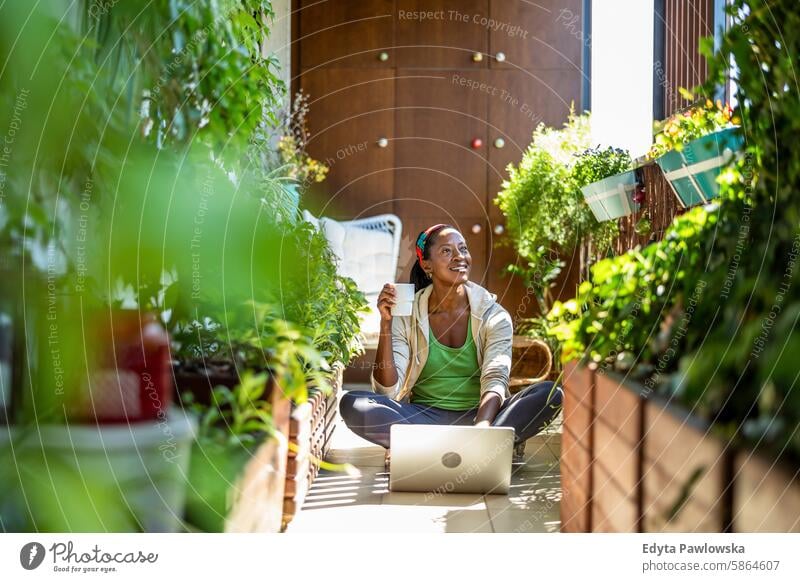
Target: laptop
point(450, 458)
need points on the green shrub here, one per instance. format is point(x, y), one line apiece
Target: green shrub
point(617, 312)
point(545, 212)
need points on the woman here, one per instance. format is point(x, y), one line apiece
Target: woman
point(449, 361)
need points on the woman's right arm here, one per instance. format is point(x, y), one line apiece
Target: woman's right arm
point(385, 371)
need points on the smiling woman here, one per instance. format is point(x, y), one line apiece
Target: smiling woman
point(449, 361)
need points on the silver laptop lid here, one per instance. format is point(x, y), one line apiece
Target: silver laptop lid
point(450, 458)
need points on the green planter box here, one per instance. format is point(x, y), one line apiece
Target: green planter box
point(692, 172)
point(612, 197)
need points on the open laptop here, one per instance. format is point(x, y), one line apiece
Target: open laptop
point(450, 458)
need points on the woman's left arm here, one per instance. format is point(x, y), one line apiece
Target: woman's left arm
point(488, 408)
point(496, 366)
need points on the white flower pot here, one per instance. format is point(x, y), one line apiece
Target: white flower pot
point(147, 462)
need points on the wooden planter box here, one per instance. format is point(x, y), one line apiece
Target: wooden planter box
point(616, 466)
point(766, 495)
point(631, 461)
point(685, 472)
point(310, 430)
point(576, 449)
point(256, 498)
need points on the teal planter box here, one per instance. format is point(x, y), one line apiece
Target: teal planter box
point(612, 197)
point(692, 172)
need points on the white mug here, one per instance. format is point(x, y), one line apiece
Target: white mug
point(404, 299)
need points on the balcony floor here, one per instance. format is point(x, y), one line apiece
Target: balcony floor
point(339, 502)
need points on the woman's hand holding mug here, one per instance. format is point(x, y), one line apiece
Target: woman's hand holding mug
point(395, 299)
point(386, 300)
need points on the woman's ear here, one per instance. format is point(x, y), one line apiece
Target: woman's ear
point(427, 267)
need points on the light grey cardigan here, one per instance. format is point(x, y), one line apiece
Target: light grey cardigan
point(492, 332)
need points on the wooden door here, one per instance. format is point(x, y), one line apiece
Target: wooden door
point(546, 34)
point(437, 121)
point(440, 170)
point(350, 113)
point(346, 33)
point(441, 34)
point(524, 100)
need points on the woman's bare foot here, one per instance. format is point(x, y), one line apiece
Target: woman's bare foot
point(519, 453)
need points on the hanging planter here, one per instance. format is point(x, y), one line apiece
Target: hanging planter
point(612, 197)
point(692, 172)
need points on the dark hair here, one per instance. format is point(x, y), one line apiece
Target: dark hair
point(418, 276)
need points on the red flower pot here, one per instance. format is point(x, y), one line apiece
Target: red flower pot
point(131, 380)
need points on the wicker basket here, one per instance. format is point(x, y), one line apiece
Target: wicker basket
point(531, 362)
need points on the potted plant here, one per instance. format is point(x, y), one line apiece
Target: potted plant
point(263, 387)
point(692, 148)
point(607, 182)
point(546, 216)
point(246, 458)
point(691, 320)
point(93, 405)
point(612, 197)
point(741, 371)
point(280, 167)
point(181, 127)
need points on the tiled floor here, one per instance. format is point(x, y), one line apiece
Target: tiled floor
point(339, 502)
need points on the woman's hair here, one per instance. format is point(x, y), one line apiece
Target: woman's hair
point(418, 276)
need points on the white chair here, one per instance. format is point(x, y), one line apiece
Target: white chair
point(368, 250)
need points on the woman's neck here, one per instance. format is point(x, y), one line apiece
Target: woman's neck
point(448, 300)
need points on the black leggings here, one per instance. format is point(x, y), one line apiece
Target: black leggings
point(371, 415)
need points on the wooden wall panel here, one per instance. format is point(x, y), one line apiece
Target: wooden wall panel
point(344, 33)
point(546, 34)
point(662, 206)
point(448, 37)
point(349, 111)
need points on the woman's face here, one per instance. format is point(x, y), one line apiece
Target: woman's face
point(450, 261)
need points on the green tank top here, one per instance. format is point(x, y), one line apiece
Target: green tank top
point(451, 377)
